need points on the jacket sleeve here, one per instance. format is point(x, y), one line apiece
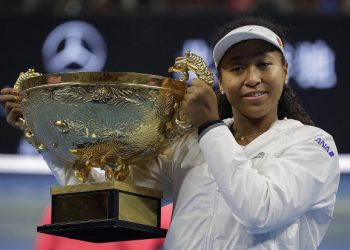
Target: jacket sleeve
point(160, 173)
point(304, 177)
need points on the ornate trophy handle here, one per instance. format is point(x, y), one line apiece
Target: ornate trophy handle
point(23, 76)
point(197, 65)
point(28, 135)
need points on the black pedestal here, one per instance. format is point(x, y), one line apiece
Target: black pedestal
point(105, 212)
point(103, 231)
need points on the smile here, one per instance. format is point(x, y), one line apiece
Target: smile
point(254, 94)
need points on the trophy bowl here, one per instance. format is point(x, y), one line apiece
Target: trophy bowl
point(101, 119)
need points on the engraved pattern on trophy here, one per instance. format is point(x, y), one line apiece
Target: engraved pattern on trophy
point(29, 125)
point(94, 122)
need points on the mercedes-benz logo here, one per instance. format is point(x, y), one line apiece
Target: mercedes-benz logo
point(74, 46)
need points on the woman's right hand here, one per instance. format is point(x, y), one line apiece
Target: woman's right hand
point(11, 101)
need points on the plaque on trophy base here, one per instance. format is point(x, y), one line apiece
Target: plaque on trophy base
point(105, 212)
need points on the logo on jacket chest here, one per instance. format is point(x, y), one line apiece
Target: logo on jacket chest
point(325, 146)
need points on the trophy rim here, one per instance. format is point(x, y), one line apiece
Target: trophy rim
point(101, 84)
point(133, 79)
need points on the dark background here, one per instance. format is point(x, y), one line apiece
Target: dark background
point(150, 43)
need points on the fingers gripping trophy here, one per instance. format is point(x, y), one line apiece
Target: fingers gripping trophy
point(109, 121)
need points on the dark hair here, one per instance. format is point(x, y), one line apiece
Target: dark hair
point(288, 105)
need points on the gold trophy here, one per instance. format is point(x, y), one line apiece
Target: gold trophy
point(105, 120)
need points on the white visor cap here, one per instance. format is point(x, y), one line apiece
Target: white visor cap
point(245, 33)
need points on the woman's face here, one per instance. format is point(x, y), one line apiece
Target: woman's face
point(252, 77)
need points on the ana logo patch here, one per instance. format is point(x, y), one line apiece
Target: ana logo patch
point(325, 146)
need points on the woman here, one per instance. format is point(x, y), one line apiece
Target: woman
point(258, 180)
point(271, 172)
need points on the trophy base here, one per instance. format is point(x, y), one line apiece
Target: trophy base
point(105, 212)
point(103, 231)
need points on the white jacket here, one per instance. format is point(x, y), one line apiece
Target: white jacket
point(278, 192)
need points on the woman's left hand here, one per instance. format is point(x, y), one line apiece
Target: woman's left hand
point(11, 101)
point(200, 103)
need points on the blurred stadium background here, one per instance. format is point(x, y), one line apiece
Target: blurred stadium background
point(146, 36)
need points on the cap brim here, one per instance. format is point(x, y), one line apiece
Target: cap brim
point(233, 38)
